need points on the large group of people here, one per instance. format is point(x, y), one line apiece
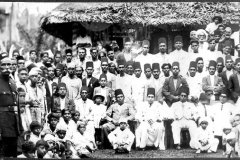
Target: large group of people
point(72, 104)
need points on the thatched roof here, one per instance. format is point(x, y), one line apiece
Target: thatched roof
point(146, 13)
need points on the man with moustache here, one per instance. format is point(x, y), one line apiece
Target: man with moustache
point(162, 56)
point(10, 121)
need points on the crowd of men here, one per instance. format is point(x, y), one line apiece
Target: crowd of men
point(68, 106)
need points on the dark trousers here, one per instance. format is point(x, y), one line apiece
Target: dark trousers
point(8, 147)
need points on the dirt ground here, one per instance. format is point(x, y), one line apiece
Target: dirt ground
point(170, 153)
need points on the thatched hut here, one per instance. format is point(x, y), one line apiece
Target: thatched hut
point(148, 20)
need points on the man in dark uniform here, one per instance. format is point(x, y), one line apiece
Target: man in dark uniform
point(10, 122)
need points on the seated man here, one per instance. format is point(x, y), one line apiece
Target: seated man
point(150, 114)
point(184, 116)
point(115, 112)
point(122, 138)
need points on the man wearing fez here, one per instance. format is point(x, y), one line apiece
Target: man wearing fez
point(117, 111)
point(145, 57)
point(73, 83)
point(185, 114)
point(172, 84)
point(225, 75)
point(63, 101)
point(85, 106)
point(151, 114)
point(162, 56)
point(90, 81)
point(124, 81)
point(212, 81)
point(220, 65)
point(234, 82)
point(10, 120)
point(147, 79)
point(179, 55)
point(137, 84)
point(194, 82)
point(111, 78)
point(157, 81)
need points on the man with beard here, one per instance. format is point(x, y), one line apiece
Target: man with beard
point(227, 37)
point(166, 68)
point(110, 56)
point(179, 55)
point(111, 78)
point(195, 83)
point(63, 101)
point(172, 84)
point(212, 81)
point(157, 81)
point(79, 72)
point(10, 122)
point(225, 75)
point(90, 81)
point(125, 55)
point(44, 59)
point(145, 57)
point(162, 56)
point(73, 83)
point(129, 68)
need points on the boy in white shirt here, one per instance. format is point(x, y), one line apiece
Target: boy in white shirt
point(122, 138)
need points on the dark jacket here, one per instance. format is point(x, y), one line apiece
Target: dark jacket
point(93, 83)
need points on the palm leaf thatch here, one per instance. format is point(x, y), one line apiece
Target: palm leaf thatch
point(146, 14)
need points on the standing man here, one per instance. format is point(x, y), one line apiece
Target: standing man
point(162, 56)
point(126, 54)
point(90, 81)
point(234, 82)
point(10, 121)
point(96, 62)
point(157, 81)
point(111, 78)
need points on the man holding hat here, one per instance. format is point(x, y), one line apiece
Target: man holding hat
point(111, 78)
point(162, 56)
point(194, 82)
point(73, 83)
point(150, 114)
point(234, 82)
point(179, 55)
point(137, 84)
point(185, 115)
point(118, 110)
point(171, 85)
point(157, 81)
point(90, 81)
point(10, 122)
point(63, 100)
point(145, 57)
point(212, 81)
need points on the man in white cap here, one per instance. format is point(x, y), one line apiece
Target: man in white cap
point(204, 140)
point(73, 83)
point(122, 138)
point(151, 114)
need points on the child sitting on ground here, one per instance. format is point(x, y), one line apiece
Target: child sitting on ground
point(229, 140)
point(121, 138)
point(205, 140)
point(28, 150)
point(36, 129)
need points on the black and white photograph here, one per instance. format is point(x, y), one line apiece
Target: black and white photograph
point(119, 80)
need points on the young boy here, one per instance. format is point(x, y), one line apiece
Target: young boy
point(122, 138)
point(41, 147)
point(103, 90)
point(99, 112)
point(229, 140)
point(28, 150)
point(36, 129)
point(205, 140)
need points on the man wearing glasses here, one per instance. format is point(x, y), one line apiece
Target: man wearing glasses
point(10, 123)
point(172, 84)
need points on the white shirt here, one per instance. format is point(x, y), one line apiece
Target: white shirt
point(212, 79)
point(229, 73)
point(62, 103)
point(85, 108)
point(211, 27)
point(143, 59)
